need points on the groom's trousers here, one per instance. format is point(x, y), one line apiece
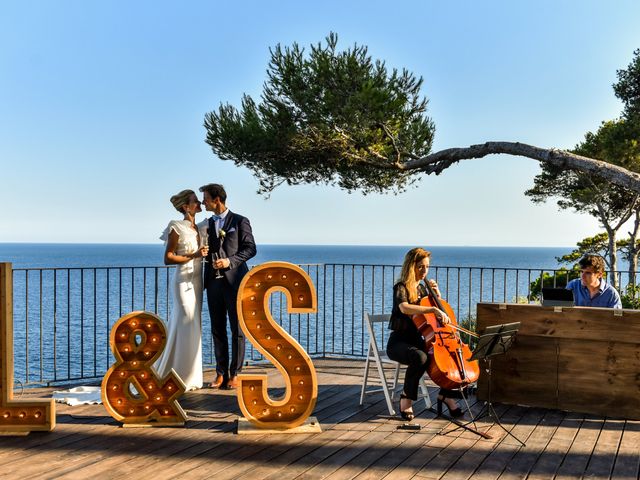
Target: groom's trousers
point(221, 298)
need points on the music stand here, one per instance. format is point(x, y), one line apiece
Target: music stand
point(494, 340)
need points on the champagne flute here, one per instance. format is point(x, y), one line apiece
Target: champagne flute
point(217, 257)
point(204, 242)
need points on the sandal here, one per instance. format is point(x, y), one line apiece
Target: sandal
point(455, 412)
point(405, 414)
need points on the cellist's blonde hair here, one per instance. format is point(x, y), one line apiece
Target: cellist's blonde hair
point(408, 271)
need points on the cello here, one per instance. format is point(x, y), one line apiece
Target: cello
point(450, 367)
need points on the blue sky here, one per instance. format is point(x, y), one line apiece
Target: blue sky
point(102, 105)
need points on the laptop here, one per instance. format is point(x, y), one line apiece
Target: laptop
point(557, 297)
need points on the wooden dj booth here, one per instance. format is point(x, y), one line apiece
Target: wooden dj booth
point(578, 359)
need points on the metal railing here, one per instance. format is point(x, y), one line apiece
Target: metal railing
point(63, 316)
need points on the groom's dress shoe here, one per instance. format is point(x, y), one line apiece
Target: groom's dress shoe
point(233, 382)
point(219, 382)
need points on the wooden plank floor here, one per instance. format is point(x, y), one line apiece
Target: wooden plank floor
point(356, 442)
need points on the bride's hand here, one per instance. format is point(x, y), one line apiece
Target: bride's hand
point(202, 251)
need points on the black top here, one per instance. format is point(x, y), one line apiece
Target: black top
point(400, 322)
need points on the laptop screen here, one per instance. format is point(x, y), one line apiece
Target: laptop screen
point(557, 297)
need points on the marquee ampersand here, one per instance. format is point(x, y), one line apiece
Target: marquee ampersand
point(16, 415)
point(132, 393)
point(277, 345)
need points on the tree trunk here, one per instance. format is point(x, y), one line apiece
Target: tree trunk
point(613, 257)
point(634, 250)
point(439, 161)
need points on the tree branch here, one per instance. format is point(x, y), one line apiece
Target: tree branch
point(439, 161)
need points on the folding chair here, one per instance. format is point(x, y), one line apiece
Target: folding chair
point(387, 387)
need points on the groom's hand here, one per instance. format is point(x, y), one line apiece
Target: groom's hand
point(222, 263)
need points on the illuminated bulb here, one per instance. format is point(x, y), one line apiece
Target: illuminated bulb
point(114, 388)
point(147, 353)
point(267, 336)
point(143, 375)
point(154, 339)
point(301, 297)
point(252, 388)
point(258, 326)
point(123, 374)
point(265, 411)
point(253, 298)
point(132, 410)
point(37, 414)
point(123, 335)
point(255, 402)
point(295, 284)
point(254, 313)
point(279, 414)
point(166, 412)
point(170, 388)
point(119, 401)
point(134, 363)
point(284, 276)
point(301, 382)
point(150, 386)
point(297, 369)
point(278, 347)
point(134, 323)
point(300, 397)
point(126, 349)
point(257, 285)
point(147, 408)
point(289, 357)
point(292, 409)
point(158, 398)
point(269, 277)
point(149, 325)
point(6, 414)
point(22, 415)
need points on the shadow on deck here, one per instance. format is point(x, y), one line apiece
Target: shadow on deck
point(356, 441)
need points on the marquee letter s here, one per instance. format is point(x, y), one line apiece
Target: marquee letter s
point(277, 345)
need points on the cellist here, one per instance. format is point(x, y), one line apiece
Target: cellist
point(405, 344)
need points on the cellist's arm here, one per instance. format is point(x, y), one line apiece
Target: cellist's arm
point(410, 309)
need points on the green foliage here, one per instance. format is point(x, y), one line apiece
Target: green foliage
point(596, 245)
point(615, 142)
point(631, 297)
point(549, 280)
point(627, 249)
point(470, 323)
point(627, 87)
point(326, 116)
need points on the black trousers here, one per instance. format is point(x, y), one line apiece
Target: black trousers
point(410, 351)
point(221, 298)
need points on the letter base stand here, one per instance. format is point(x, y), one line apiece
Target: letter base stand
point(245, 427)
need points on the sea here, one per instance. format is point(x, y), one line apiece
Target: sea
point(67, 297)
point(61, 255)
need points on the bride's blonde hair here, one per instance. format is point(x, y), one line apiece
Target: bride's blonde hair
point(180, 199)
point(408, 271)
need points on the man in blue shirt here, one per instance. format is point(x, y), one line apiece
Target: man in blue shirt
point(591, 290)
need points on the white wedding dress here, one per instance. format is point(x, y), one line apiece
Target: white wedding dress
point(183, 351)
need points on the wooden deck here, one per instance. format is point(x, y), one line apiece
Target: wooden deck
point(356, 442)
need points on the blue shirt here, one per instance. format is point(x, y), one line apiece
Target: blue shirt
point(607, 296)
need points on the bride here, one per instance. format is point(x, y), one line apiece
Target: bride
point(183, 351)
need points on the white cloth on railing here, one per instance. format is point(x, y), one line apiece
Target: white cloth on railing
point(78, 396)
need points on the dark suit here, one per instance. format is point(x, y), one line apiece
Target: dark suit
point(238, 246)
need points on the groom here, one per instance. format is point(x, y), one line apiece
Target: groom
point(230, 237)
